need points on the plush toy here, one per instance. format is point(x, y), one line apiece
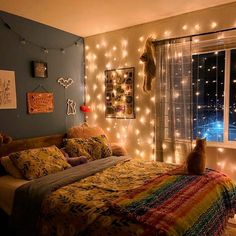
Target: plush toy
point(149, 65)
point(4, 139)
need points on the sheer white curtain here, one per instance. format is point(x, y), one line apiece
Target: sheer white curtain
point(174, 100)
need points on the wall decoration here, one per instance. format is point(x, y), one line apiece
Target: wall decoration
point(65, 82)
point(7, 90)
point(149, 64)
point(40, 102)
point(85, 109)
point(71, 107)
point(119, 93)
point(40, 69)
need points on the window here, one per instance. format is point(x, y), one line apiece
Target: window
point(213, 87)
point(232, 98)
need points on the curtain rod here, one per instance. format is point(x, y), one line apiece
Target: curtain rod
point(156, 42)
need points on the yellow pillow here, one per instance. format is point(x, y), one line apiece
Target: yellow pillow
point(10, 168)
point(38, 162)
point(93, 148)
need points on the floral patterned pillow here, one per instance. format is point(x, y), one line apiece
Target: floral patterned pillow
point(93, 148)
point(35, 163)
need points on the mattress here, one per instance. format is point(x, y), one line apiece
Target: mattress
point(8, 185)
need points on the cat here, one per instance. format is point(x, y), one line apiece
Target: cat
point(196, 160)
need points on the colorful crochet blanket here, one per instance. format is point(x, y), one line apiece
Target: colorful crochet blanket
point(173, 204)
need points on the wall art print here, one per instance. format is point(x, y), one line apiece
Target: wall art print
point(7, 90)
point(119, 93)
point(40, 102)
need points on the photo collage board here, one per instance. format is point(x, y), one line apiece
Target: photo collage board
point(119, 93)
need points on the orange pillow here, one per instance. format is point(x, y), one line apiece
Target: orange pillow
point(118, 150)
point(85, 131)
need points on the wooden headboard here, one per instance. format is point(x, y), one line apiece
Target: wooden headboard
point(24, 144)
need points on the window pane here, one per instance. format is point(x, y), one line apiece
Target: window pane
point(208, 96)
point(232, 100)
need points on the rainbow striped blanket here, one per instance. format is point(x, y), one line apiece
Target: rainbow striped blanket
point(173, 204)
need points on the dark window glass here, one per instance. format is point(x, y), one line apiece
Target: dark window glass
point(208, 96)
point(232, 98)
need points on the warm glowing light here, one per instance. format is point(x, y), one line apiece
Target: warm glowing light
point(141, 39)
point(124, 53)
point(167, 33)
point(197, 27)
point(148, 111)
point(95, 87)
point(97, 46)
point(108, 65)
point(185, 27)
point(114, 48)
point(153, 99)
point(213, 25)
point(142, 120)
point(137, 132)
point(86, 47)
point(220, 150)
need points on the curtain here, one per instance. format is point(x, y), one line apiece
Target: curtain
point(173, 100)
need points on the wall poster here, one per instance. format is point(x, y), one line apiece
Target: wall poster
point(40, 103)
point(7, 90)
point(119, 93)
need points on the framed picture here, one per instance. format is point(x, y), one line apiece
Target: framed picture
point(7, 90)
point(40, 69)
point(119, 93)
point(40, 103)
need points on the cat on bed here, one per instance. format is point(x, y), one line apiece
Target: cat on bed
point(196, 160)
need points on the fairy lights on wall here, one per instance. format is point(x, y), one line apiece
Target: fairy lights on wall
point(137, 135)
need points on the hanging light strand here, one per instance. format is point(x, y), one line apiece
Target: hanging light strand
point(44, 49)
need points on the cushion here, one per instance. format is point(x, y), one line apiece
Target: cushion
point(118, 150)
point(85, 131)
point(38, 162)
point(10, 168)
point(93, 148)
point(75, 161)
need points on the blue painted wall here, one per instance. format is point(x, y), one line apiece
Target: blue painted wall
point(17, 57)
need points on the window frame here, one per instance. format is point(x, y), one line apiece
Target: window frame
point(226, 142)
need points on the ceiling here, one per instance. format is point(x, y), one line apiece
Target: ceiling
point(90, 17)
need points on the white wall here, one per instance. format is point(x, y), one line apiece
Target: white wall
point(123, 48)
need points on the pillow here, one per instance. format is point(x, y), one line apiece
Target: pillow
point(38, 162)
point(85, 131)
point(10, 168)
point(118, 150)
point(93, 148)
point(75, 161)
point(63, 150)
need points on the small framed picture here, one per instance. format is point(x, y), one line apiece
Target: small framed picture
point(40, 69)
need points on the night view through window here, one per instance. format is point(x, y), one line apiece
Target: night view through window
point(208, 96)
point(232, 101)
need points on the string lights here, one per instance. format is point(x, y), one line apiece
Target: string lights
point(45, 50)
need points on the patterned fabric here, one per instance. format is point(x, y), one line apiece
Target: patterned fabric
point(10, 168)
point(94, 148)
point(182, 204)
point(35, 163)
point(80, 208)
point(200, 205)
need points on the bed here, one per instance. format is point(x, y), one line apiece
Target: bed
point(116, 196)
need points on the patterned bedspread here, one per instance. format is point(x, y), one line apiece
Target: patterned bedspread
point(140, 198)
